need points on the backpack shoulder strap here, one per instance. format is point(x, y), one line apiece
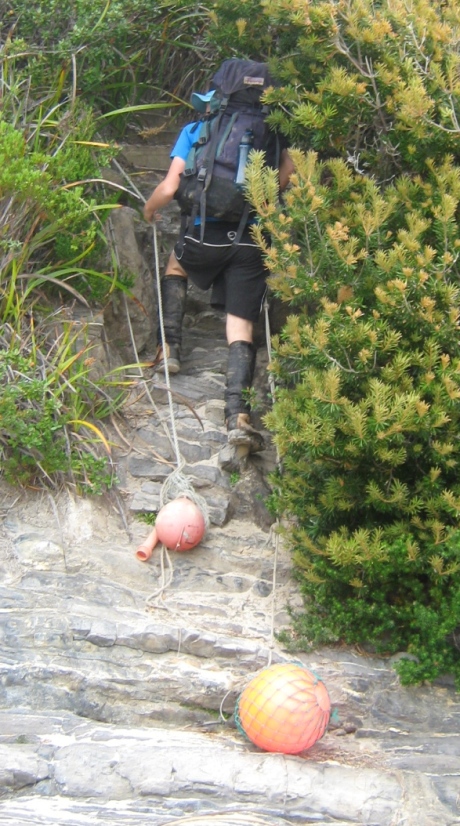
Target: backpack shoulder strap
point(203, 128)
point(205, 173)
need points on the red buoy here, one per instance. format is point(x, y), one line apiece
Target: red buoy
point(180, 525)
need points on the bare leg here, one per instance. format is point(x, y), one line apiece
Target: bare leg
point(173, 267)
point(238, 329)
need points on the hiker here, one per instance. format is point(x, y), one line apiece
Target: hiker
point(216, 248)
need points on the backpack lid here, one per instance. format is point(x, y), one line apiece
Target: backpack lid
point(236, 75)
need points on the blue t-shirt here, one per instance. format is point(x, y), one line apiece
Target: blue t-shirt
point(185, 141)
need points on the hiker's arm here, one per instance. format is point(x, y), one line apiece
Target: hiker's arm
point(166, 189)
point(286, 169)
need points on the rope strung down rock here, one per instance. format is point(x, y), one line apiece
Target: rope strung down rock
point(176, 484)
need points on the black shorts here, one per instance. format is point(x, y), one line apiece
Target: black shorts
point(236, 272)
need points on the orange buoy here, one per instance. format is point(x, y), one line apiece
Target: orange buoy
point(180, 524)
point(284, 709)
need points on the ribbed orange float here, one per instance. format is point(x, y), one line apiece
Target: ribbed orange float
point(284, 709)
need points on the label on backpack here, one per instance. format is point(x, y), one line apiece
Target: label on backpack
point(253, 81)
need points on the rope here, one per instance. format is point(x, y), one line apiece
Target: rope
point(179, 460)
point(176, 484)
point(272, 386)
point(164, 582)
point(271, 643)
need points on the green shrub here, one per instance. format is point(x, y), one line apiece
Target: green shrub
point(367, 414)
point(50, 231)
point(365, 250)
point(376, 85)
point(44, 388)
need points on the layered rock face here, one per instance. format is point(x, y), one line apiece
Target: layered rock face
point(119, 678)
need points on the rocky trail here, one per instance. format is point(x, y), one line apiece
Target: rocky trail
point(119, 678)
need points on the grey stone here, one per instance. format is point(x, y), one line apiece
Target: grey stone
point(194, 451)
point(155, 639)
point(233, 458)
point(145, 502)
point(197, 390)
point(163, 444)
point(203, 475)
point(125, 318)
point(102, 633)
point(164, 447)
point(136, 156)
point(119, 678)
point(20, 767)
point(42, 553)
point(189, 429)
point(215, 411)
point(215, 439)
point(139, 466)
point(218, 506)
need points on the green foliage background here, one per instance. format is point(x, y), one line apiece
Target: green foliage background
point(123, 52)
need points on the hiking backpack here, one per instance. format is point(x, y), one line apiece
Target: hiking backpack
point(209, 186)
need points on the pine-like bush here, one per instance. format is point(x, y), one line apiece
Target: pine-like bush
point(367, 414)
point(365, 249)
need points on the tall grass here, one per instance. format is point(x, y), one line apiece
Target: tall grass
point(52, 412)
point(129, 52)
point(131, 55)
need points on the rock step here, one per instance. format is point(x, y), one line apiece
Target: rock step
point(131, 649)
point(154, 775)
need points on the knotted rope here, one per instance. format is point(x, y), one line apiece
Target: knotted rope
point(176, 484)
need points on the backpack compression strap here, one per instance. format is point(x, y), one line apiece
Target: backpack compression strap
point(203, 137)
point(205, 173)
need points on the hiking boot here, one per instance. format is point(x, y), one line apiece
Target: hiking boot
point(241, 433)
point(173, 295)
point(240, 372)
point(173, 357)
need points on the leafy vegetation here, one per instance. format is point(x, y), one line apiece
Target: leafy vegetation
point(365, 249)
point(68, 72)
point(41, 439)
point(128, 52)
point(50, 239)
